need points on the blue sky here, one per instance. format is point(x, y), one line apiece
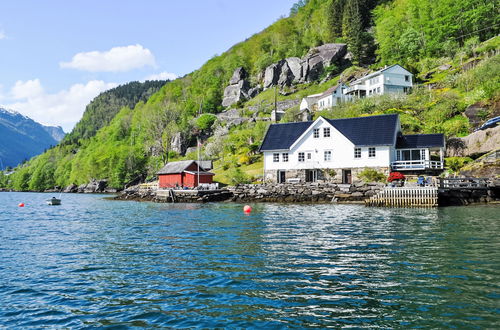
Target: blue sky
point(56, 56)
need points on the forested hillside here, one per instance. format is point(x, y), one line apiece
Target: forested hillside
point(419, 34)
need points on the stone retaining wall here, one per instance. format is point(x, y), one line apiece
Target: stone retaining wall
point(305, 192)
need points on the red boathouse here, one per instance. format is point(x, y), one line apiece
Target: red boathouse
point(183, 173)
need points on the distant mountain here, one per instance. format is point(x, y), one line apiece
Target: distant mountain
point(55, 131)
point(22, 138)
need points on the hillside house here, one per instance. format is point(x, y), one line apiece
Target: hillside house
point(310, 102)
point(332, 97)
point(329, 98)
point(184, 173)
point(339, 149)
point(391, 79)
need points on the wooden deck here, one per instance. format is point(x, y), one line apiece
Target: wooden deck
point(405, 197)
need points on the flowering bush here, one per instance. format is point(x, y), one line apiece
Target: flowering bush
point(395, 176)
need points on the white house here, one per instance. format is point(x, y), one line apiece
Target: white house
point(329, 98)
point(392, 79)
point(332, 97)
point(309, 102)
point(339, 149)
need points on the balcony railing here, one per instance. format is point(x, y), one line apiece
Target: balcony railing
point(354, 88)
point(408, 165)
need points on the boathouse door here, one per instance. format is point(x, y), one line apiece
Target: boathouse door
point(311, 175)
point(281, 176)
point(346, 176)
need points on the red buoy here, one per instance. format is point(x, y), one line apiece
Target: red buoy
point(247, 209)
point(21, 204)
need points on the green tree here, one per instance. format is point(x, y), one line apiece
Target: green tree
point(334, 18)
point(352, 29)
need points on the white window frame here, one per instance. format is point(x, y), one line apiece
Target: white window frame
point(370, 150)
point(276, 157)
point(309, 155)
point(316, 133)
point(327, 155)
point(357, 151)
point(301, 156)
point(285, 157)
point(325, 130)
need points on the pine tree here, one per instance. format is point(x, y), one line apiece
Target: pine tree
point(335, 13)
point(352, 29)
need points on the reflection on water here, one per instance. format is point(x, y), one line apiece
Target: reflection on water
point(93, 262)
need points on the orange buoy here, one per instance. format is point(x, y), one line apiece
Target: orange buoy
point(247, 209)
point(21, 205)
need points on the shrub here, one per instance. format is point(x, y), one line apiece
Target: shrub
point(205, 121)
point(396, 176)
point(371, 175)
point(237, 176)
point(456, 163)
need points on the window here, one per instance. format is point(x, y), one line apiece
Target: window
point(326, 131)
point(374, 81)
point(371, 152)
point(405, 89)
point(285, 157)
point(276, 158)
point(316, 133)
point(378, 90)
point(301, 157)
point(357, 152)
point(328, 155)
point(407, 78)
point(309, 156)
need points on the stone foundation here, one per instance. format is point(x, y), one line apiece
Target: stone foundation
point(333, 175)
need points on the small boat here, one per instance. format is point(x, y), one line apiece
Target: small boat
point(54, 201)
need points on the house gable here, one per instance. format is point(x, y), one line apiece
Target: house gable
point(320, 123)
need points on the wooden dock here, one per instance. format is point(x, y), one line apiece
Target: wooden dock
point(405, 197)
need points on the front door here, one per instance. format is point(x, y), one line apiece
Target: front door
point(346, 177)
point(311, 175)
point(281, 176)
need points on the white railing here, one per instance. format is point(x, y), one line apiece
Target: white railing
point(355, 88)
point(417, 165)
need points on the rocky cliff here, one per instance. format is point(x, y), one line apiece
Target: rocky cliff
point(289, 71)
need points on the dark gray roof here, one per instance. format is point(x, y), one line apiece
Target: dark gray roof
point(369, 130)
point(361, 131)
point(177, 167)
point(282, 136)
point(420, 141)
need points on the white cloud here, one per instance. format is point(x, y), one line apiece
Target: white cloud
point(27, 89)
point(2, 35)
point(162, 76)
point(117, 59)
point(63, 108)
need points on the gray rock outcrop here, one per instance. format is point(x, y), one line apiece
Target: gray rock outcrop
point(271, 75)
point(238, 88)
point(295, 70)
point(479, 142)
point(286, 72)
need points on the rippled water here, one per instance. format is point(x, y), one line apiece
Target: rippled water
point(92, 262)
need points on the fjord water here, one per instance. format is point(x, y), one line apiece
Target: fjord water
point(93, 262)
